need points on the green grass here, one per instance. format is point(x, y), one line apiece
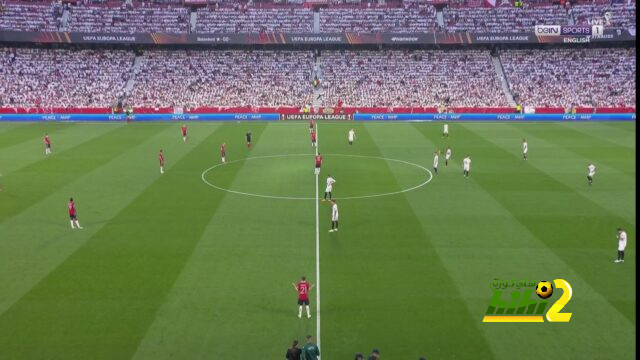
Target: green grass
point(168, 267)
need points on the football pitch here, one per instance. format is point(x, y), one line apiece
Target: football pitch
point(198, 263)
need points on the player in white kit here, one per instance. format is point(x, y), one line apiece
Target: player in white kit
point(447, 156)
point(329, 188)
point(351, 136)
point(622, 244)
point(591, 172)
point(445, 130)
point(466, 166)
point(525, 148)
point(334, 216)
point(435, 162)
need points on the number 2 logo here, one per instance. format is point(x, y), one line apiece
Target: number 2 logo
point(554, 314)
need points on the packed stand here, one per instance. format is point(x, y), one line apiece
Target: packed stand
point(191, 79)
point(401, 20)
point(503, 19)
point(404, 78)
point(572, 77)
point(62, 78)
point(30, 17)
point(621, 16)
point(129, 19)
point(251, 20)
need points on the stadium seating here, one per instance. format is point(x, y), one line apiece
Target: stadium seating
point(572, 77)
point(128, 20)
point(230, 20)
point(193, 79)
point(503, 19)
point(419, 78)
point(623, 16)
point(400, 20)
point(30, 17)
point(62, 78)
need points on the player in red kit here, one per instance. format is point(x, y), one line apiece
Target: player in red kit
point(47, 144)
point(318, 163)
point(73, 215)
point(311, 125)
point(161, 160)
point(313, 138)
point(184, 132)
point(223, 152)
point(303, 288)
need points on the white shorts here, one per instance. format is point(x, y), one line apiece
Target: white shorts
point(334, 218)
point(328, 189)
point(466, 168)
point(447, 157)
point(622, 245)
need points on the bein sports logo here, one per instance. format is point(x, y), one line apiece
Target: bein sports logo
point(523, 305)
point(595, 30)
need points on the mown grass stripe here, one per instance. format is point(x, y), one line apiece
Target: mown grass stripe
point(38, 239)
point(12, 134)
point(37, 180)
point(613, 189)
point(99, 303)
point(563, 205)
point(366, 305)
point(236, 285)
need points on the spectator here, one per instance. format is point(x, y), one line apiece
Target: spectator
point(375, 354)
point(310, 350)
point(294, 352)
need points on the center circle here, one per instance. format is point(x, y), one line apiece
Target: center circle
point(301, 165)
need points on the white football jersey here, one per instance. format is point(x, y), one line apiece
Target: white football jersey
point(592, 169)
point(466, 163)
point(330, 182)
point(352, 135)
point(448, 154)
point(622, 240)
point(525, 147)
point(334, 212)
point(435, 161)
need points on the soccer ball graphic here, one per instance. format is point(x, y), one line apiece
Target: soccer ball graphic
point(544, 289)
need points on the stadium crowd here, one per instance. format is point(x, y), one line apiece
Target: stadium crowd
point(401, 20)
point(62, 78)
point(241, 17)
point(35, 77)
point(30, 17)
point(403, 78)
point(234, 20)
point(192, 79)
point(126, 19)
point(572, 77)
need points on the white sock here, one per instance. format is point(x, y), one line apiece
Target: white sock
point(72, 224)
point(224, 160)
point(308, 312)
point(300, 311)
point(161, 169)
point(78, 225)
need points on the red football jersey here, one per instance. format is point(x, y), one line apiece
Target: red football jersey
point(313, 136)
point(303, 290)
point(47, 140)
point(184, 131)
point(223, 150)
point(72, 208)
point(318, 160)
point(161, 158)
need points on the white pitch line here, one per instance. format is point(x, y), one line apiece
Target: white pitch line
point(317, 252)
point(264, 196)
